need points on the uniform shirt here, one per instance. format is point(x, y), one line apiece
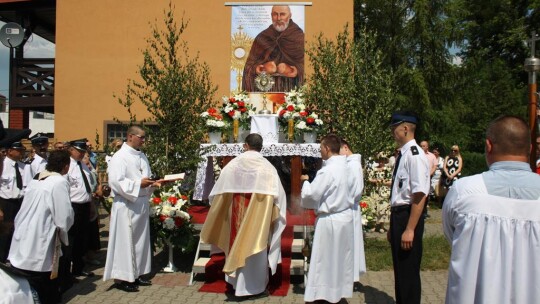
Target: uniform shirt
point(37, 165)
point(8, 181)
point(411, 176)
point(77, 190)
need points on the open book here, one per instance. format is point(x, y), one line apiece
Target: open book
point(173, 177)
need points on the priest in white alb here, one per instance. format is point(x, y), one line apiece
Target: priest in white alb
point(246, 219)
point(330, 277)
point(492, 221)
point(128, 253)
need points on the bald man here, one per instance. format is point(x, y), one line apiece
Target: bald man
point(482, 218)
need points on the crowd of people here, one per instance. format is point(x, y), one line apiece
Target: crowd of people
point(491, 219)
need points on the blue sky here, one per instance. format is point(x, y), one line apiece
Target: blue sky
point(35, 47)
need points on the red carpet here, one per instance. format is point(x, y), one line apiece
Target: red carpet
point(279, 283)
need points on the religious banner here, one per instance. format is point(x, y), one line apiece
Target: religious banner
point(267, 40)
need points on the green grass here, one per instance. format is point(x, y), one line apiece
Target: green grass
point(436, 253)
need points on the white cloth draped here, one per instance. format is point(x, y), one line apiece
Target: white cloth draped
point(356, 186)
point(14, 289)
point(250, 172)
point(45, 209)
point(266, 126)
point(330, 275)
point(495, 248)
point(128, 253)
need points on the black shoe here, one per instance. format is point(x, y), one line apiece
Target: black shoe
point(88, 274)
point(142, 282)
point(126, 286)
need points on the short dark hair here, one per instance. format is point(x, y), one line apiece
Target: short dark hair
point(254, 141)
point(57, 160)
point(509, 135)
point(333, 142)
point(344, 142)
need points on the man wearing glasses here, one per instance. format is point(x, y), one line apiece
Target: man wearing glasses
point(129, 254)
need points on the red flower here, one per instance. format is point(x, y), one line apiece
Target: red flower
point(212, 111)
point(172, 200)
point(303, 113)
point(363, 205)
point(241, 104)
point(156, 200)
point(162, 218)
point(310, 120)
point(242, 110)
point(232, 100)
point(282, 112)
point(178, 222)
point(290, 108)
point(184, 197)
point(231, 113)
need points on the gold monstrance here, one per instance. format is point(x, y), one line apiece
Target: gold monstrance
point(264, 82)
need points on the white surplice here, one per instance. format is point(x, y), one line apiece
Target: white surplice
point(45, 209)
point(495, 246)
point(330, 275)
point(14, 289)
point(250, 172)
point(356, 187)
point(129, 254)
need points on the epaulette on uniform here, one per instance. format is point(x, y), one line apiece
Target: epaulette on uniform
point(414, 150)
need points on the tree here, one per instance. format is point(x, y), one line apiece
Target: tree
point(352, 90)
point(175, 88)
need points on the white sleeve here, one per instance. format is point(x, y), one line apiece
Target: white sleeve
point(120, 184)
point(61, 210)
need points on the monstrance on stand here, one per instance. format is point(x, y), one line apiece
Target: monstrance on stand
point(264, 82)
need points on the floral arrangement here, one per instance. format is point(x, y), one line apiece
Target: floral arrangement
point(308, 122)
point(237, 107)
point(291, 108)
point(169, 219)
point(214, 120)
point(375, 201)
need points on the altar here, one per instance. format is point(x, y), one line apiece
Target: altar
point(205, 172)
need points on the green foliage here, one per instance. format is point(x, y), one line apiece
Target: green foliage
point(175, 89)
point(473, 163)
point(351, 90)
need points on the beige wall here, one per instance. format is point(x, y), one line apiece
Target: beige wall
point(99, 43)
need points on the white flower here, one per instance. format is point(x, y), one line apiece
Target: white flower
point(237, 115)
point(204, 114)
point(301, 125)
point(319, 122)
point(184, 215)
point(301, 106)
point(228, 109)
point(296, 114)
point(168, 223)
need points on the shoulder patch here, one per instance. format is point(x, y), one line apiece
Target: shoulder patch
point(414, 150)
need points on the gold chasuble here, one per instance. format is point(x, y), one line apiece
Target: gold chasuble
point(247, 213)
point(254, 228)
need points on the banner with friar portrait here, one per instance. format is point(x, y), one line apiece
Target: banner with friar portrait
point(267, 40)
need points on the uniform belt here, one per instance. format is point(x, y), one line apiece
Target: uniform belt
point(400, 208)
point(80, 202)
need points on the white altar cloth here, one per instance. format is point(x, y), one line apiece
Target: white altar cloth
point(204, 180)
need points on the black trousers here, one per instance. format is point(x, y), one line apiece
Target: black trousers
point(46, 288)
point(10, 207)
point(406, 262)
point(78, 235)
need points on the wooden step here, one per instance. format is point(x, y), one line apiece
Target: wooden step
point(297, 267)
point(205, 247)
point(297, 245)
point(200, 264)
